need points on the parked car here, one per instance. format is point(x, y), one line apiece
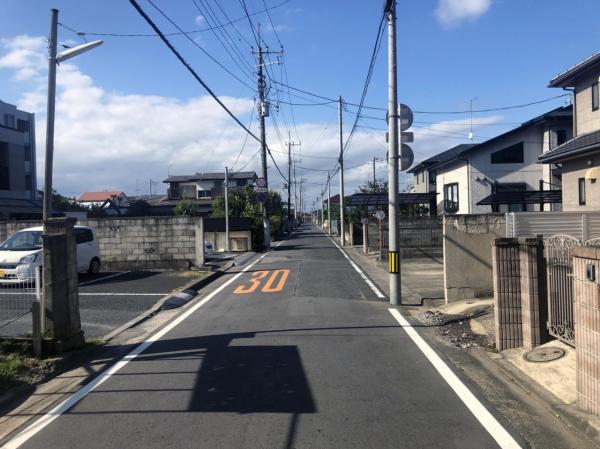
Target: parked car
point(208, 248)
point(21, 254)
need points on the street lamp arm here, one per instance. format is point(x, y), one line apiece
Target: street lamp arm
point(72, 52)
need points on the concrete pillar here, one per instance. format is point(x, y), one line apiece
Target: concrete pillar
point(365, 230)
point(61, 292)
point(507, 293)
point(534, 302)
point(199, 229)
point(586, 303)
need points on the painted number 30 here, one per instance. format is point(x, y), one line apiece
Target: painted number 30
point(273, 284)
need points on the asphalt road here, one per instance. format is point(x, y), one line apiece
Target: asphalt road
point(106, 300)
point(296, 352)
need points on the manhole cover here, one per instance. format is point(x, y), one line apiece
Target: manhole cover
point(547, 354)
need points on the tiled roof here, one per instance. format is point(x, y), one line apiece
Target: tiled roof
point(218, 176)
point(563, 78)
point(98, 196)
point(442, 157)
point(574, 147)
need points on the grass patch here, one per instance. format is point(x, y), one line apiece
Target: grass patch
point(18, 366)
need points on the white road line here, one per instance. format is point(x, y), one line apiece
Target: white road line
point(487, 420)
point(64, 406)
point(105, 277)
point(358, 270)
point(122, 294)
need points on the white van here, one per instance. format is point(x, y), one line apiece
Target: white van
point(21, 254)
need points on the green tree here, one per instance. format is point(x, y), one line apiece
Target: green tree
point(65, 204)
point(243, 204)
point(185, 207)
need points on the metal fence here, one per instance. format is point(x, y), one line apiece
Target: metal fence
point(17, 298)
point(562, 231)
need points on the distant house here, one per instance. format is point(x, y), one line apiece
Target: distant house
point(18, 185)
point(577, 160)
point(500, 174)
point(102, 199)
point(201, 189)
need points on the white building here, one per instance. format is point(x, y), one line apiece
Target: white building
point(501, 174)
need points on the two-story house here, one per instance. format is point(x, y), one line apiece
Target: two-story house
point(577, 161)
point(500, 174)
point(18, 185)
point(202, 189)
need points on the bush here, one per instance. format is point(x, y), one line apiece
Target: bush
point(185, 207)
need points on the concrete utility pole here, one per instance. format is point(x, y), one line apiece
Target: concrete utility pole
point(341, 161)
point(322, 211)
point(329, 203)
point(374, 159)
point(394, 259)
point(289, 186)
point(53, 60)
point(52, 44)
point(263, 144)
point(226, 209)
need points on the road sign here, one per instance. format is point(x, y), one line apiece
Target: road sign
point(380, 215)
point(261, 197)
point(406, 137)
point(261, 189)
point(406, 117)
point(407, 158)
point(261, 182)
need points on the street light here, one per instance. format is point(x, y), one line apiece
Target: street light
point(53, 60)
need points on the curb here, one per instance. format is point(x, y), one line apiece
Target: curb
point(171, 301)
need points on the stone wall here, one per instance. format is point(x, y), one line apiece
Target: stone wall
point(586, 308)
point(140, 242)
point(468, 254)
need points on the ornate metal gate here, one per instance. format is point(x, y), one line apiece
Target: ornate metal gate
point(559, 261)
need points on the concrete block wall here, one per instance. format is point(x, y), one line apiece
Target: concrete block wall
point(140, 242)
point(468, 255)
point(507, 293)
point(586, 304)
point(238, 240)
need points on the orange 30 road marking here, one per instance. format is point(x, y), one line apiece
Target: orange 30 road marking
point(269, 286)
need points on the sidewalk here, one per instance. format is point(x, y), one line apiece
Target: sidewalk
point(468, 325)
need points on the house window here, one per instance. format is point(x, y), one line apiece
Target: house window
point(451, 197)
point(188, 191)
point(595, 102)
point(417, 178)
point(509, 155)
point(204, 194)
point(581, 191)
point(174, 193)
point(431, 177)
point(9, 120)
point(423, 176)
point(22, 125)
point(561, 136)
point(4, 167)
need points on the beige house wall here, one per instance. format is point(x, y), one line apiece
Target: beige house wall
point(587, 120)
point(573, 170)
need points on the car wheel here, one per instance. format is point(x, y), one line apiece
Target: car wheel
point(94, 266)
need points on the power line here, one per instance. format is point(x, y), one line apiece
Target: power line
point(196, 76)
point(246, 137)
point(203, 30)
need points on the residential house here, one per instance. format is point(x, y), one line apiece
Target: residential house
point(103, 199)
point(18, 184)
point(201, 189)
point(576, 161)
point(500, 174)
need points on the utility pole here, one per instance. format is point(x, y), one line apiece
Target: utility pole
point(329, 204)
point(289, 186)
point(226, 209)
point(341, 161)
point(322, 211)
point(393, 255)
point(47, 207)
point(374, 159)
point(295, 193)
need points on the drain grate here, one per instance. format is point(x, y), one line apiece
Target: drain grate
point(547, 354)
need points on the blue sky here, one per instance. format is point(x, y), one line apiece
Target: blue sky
point(129, 110)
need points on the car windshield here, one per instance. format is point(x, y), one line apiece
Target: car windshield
point(23, 241)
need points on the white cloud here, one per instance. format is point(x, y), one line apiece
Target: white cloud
point(200, 20)
point(451, 13)
point(111, 140)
